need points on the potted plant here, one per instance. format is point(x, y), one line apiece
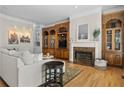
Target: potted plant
point(96, 33)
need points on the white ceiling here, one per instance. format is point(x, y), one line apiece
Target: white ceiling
point(45, 14)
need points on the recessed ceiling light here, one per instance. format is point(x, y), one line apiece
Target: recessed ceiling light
point(75, 6)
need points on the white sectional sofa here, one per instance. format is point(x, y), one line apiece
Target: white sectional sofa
point(16, 74)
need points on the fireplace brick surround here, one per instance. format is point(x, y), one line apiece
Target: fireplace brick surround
point(84, 55)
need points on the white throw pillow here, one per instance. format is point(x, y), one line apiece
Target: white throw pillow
point(37, 57)
point(12, 52)
point(5, 51)
point(40, 56)
point(27, 58)
point(15, 53)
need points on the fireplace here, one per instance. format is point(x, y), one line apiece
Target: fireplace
point(84, 55)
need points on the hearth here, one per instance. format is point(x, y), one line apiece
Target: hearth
point(84, 55)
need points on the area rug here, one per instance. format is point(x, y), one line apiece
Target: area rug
point(70, 73)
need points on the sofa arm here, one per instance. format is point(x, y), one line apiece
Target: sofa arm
point(30, 75)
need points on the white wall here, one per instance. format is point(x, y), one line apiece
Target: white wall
point(1, 25)
point(6, 22)
point(93, 19)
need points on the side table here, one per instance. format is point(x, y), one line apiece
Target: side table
point(54, 74)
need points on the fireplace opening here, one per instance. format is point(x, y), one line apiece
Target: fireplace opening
point(84, 56)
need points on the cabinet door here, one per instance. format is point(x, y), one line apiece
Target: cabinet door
point(114, 59)
point(65, 54)
point(58, 53)
point(117, 39)
point(109, 58)
point(51, 51)
point(61, 53)
point(109, 39)
point(117, 59)
point(45, 39)
point(113, 39)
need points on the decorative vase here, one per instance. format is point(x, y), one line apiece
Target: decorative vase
point(96, 34)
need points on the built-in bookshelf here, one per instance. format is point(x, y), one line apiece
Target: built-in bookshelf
point(55, 40)
point(113, 38)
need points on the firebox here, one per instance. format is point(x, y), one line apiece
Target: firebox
point(84, 55)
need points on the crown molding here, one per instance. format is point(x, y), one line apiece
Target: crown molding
point(59, 22)
point(15, 19)
point(87, 13)
point(114, 9)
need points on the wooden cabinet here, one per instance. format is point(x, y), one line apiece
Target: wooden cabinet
point(55, 40)
point(62, 54)
point(114, 58)
point(113, 38)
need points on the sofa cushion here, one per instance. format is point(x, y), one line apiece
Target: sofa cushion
point(27, 58)
point(20, 63)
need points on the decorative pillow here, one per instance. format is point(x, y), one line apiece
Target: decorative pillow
point(12, 52)
point(40, 56)
point(27, 58)
point(15, 53)
point(37, 57)
point(5, 51)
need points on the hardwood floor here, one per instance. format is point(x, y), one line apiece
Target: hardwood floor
point(2, 84)
point(91, 77)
